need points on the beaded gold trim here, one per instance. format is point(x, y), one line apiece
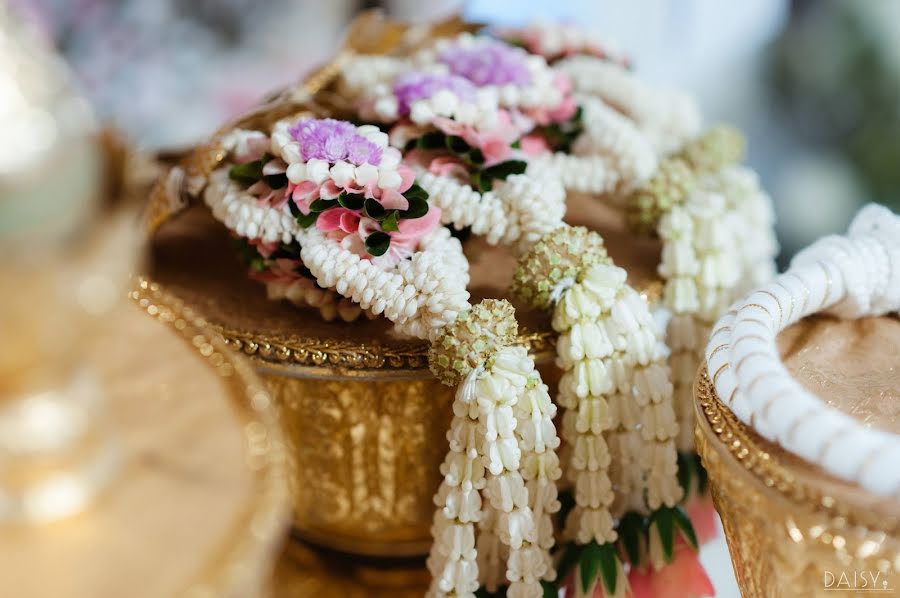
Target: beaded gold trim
point(242, 568)
point(342, 358)
point(747, 449)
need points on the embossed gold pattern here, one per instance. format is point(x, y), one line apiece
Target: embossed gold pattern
point(364, 459)
point(787, 526)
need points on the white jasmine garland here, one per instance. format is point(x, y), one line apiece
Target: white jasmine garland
point(717, 241)
point(522, 208)
point(485, 455)
point(611, 156)
point(540, 467)
point(420, 296)
point(541, 91)
point(668, 118)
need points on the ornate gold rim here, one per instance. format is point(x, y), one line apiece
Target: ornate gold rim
point(318, 357)
point(748, 450)
point(342, 359)
point(241, 567)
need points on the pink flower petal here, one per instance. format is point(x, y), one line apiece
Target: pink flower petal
point(304, 194)
point(349, 220)
point(330, 220)
point(274, 167)
point(684, 577)
point(447, 166)
point(329, 190)
point(534, 145)
point(419, 227)
point(702, 513)
point(407, 177)
point(391, 199)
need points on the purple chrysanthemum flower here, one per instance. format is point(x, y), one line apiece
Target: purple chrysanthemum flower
point(333, 140)
point(415, 85)
point(489, 62)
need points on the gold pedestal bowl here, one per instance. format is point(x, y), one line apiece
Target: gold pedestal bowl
point(364, 420)
point(792, 529)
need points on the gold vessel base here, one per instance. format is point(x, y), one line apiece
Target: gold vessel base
point(306, 570)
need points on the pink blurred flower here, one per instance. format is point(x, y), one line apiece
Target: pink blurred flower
point(702, 512)
point(684, 577)
point(534, 145)
point(448, 166)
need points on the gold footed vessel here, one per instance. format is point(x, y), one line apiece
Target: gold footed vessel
point(364, 420)
point(793, 530)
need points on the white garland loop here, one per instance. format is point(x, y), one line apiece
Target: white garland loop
point(853, 276)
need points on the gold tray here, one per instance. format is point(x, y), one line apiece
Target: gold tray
point(792, 529)
point(199, 507)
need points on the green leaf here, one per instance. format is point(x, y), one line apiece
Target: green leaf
point(432, 140)
point(320, 205)
point(456, 144)
point(664, 521)
point(418, 207)
point(571, 554)
point(308, 220)
point(609, 568)
point(567, 503)
point(374, 209)
point(685, 469)
point(295, 211)
point(351, 201)
point(389, 224)
point(378, 243)
point(589, 565)
point(631, 529)
point(258, 264)
point(247, 173)
point(415, 192)
point(549, 588)
point(517, 144)
point(276, 181)
point(687, 528)
point(476, 156)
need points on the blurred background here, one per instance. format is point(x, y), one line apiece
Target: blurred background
point(815, 84)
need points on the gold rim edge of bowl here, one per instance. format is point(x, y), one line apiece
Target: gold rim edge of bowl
point(734, 437)
point(243, 564)
point(317, 357)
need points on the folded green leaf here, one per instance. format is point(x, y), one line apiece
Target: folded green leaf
point(432, 140)
point(418, 207)
point(631, 530)
point(609, 568)
point(351, 201)
point(549, 588)
point(308, 220)
point(378, 243)
point(456, 144)
point(570, 556)
point(320, 205)
point(415, 192)
point(665, 525)
point(389, 224)
point(374, 209)
point(685, 472)
point(276, 181)
point(589, 565)
point(247, 173)
point(685, 526)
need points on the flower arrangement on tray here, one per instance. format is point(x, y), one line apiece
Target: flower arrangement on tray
point(474, 136)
